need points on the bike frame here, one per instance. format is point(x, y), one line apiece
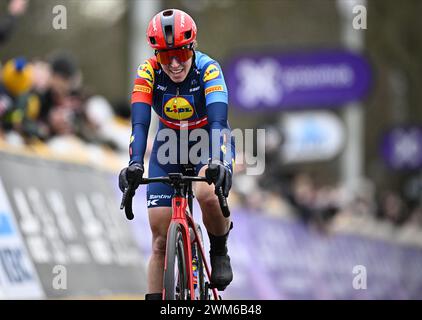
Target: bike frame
point(182, 213)
point(181, 216)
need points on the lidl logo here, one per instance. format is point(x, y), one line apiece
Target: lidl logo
point(211, 72)
point(178, 108)
point(146, 72)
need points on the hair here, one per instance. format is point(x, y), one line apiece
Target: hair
point(63, 64)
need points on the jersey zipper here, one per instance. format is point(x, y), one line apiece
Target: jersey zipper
point(175, 101)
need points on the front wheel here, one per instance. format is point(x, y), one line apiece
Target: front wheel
point(201, 288)
point(175, 276)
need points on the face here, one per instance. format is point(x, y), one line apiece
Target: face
point(177, 71)
point(60, 85)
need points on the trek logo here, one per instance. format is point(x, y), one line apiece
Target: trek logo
point(211, 72)
point(178, 108)
point(160, 87)
point(182, 20)
point(154, 25)
point(152, 202)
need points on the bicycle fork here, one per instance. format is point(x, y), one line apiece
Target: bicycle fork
point(197, 239)
point(179, 205)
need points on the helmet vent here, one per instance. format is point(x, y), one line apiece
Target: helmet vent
point(152, 40)
point(188, 34)
point(168, 13)
point(169, 34)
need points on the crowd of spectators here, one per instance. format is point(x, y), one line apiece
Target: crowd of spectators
point(44, 102)
point(292, 191)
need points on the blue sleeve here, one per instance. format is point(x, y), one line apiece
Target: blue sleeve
point(141, 118)
point(222, 145)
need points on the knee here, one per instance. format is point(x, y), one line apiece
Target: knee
point(159, 244)
point(159, 219)
point(206, 197)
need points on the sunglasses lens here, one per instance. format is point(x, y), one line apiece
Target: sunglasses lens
point(182, 55)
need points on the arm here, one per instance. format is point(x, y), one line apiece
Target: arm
point(141, 112)
point(222, 147)
point(216, 96)
point(7, 24)
point(221, 144)
point(141, 118)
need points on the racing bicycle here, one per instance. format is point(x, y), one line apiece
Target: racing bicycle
point(186, 271)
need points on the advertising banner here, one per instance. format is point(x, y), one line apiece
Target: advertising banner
point(68, 214)
point(277, 259)
point(274, 81)
point(401, 148)
point(18, 278)
point(311, 136)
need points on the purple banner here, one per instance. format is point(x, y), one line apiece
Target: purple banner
point(284, 81)
point(401, 148)
point(277, 259)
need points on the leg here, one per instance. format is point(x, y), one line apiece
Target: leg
point(212, 216)
point(218, 228)
point(159, 214)
point(159, 220)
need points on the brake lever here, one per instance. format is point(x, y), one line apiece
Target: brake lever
point(223, 202)
point(127, 202)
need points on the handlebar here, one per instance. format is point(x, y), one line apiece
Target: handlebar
point(172, 179)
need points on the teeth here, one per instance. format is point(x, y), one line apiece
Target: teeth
point(176, 71)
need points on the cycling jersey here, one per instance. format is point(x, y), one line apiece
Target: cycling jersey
point(200, 101)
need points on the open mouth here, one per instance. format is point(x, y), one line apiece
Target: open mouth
point(176, 71)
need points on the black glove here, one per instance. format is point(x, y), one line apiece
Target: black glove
point(220, 175)
point(131, 175)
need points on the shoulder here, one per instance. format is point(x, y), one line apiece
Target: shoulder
point(146, 70)
point(209, 68)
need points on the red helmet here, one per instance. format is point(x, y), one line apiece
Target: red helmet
point(171, 28)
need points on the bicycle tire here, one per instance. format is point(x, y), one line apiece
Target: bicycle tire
point(200, 266)
point(203, 291)
point(175, 280)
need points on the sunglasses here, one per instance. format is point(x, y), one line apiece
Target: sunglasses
point(182, 54)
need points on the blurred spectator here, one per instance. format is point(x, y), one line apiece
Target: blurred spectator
point(42, 74)
point(393, 208)
point(17, 104)
point(16, 8)
point(105, 126)
point(59, 93)
point(64, 78)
